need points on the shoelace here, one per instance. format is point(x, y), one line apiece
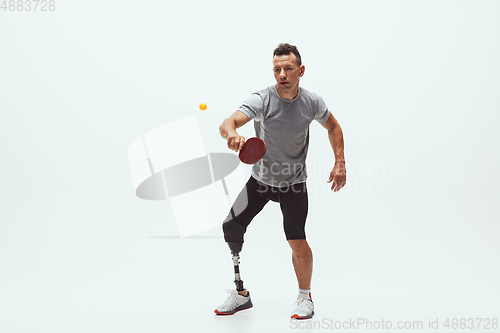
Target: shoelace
point(232, 293)
point(232, 297)
point(301, 301)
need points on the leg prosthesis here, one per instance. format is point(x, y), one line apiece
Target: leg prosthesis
point(235, 251)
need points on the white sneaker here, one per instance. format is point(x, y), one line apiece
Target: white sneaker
point(304, 309)
point(234, 303)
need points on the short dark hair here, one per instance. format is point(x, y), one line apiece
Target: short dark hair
point(286, 49)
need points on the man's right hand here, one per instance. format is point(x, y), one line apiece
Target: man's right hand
point(235, 142)
point(228, 130)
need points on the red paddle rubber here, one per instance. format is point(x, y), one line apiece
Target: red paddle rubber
point(253, 150)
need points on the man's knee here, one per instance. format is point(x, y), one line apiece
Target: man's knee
point(299, 245)
point(295, 232)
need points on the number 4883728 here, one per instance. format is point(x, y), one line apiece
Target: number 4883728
point(28, 5)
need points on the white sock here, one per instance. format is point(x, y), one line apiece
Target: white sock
point(305, 293)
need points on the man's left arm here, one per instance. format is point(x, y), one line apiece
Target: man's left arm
point(336, 137)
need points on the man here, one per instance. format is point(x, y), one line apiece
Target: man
point(282, 114)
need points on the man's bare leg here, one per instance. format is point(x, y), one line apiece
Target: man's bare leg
point(302, 260)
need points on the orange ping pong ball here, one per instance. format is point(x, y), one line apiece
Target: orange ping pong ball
point(203, 106)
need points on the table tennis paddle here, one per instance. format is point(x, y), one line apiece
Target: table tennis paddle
point(253, 150)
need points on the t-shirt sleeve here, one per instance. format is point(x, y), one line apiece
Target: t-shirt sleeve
point(253, 106)
point(322, 112)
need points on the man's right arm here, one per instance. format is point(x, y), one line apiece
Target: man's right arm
point(228, 130)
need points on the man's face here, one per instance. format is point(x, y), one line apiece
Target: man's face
point(287, 73)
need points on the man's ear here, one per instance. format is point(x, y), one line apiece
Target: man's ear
point(302, 70)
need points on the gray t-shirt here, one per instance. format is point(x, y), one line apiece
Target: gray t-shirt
point(283, 124)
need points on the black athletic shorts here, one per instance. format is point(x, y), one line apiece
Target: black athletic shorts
point(254, 196)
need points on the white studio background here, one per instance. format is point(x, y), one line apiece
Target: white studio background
point(414, 84)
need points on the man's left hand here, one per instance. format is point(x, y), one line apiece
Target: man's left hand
point(338, 176)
